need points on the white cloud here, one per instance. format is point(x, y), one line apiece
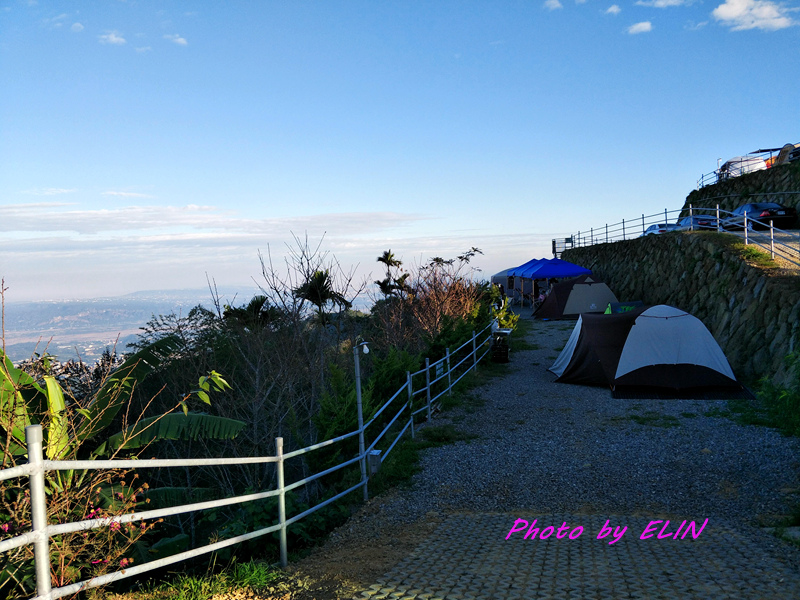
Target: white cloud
point(552, 4)
point(580, 1)
point(177, 39)
point(77, 27)
point(642, 27)
point(49, 191)
point(144, 49)
point(613, 10)
point(55, 22)
point(182, 222)
point(127, 194)
point(753, 14)
point(112, 37)
point(663, 3)
point(84, 252)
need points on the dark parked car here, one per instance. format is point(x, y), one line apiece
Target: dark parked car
point(698, 222)
point(782, 217)
point(660, 228)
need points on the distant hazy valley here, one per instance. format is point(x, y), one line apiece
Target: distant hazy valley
point(84, 328)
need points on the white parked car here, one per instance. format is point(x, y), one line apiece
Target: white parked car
point(660, 228)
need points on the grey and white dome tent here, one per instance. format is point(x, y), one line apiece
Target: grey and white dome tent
point(649, 347)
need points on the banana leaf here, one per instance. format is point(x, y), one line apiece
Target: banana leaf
point(20, 397)
point(58, 442)
point(174, 426)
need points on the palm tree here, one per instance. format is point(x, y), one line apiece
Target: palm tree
point(391, 284)
point(256, 314)
point(318, 290)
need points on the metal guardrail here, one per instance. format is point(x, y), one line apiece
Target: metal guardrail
point(450, 367)
point(778, 242)
point(736, 170)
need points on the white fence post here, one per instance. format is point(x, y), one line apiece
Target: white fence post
point(281, 502)
point(449, 378)
point(410, 402)
point(745, 228)
point(771, 240)
point(41, 546)
point(428, 384)
point(691, 219)
point(361, 452)
point(718, 223)
point(474, 352)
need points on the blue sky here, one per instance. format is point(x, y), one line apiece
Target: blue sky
point(145, 144)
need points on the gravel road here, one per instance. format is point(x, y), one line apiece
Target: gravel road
point(553, 447)
point(547, 448)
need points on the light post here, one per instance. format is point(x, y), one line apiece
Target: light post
point(365, 348)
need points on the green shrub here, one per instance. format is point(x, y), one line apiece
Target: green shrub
point(782, 405)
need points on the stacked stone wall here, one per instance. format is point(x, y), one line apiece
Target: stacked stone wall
point(782, 183)
point(753, 313)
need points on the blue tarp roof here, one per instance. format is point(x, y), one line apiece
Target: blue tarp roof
point(544, 268)
point(524, 268)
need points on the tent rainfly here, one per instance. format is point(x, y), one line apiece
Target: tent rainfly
point(654, 347)
point(568, 299)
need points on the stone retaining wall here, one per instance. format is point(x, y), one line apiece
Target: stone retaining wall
point(753, 313)
point(736, 191)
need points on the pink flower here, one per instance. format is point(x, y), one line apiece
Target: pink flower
point(114, 526)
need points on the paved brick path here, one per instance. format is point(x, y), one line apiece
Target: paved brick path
point(469, 557)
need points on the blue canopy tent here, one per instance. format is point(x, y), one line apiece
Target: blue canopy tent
point(521, 270)
point(545, 268)
point(555, 267)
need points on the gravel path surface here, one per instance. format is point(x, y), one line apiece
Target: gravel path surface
point(544, 448)
point(552, 447)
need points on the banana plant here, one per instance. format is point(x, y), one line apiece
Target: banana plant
point(24, 401)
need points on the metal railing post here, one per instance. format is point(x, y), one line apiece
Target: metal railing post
point(606, 233)
point(428, 384)
point(666, 221)
point(691, 219)
point(361, 452)
point(719, 226)
point(771, 240)
point(623, 230)
point(474, 352)
point(642, 224)
point(281, 502)
point(449, 378)
point(745, 228)
point(41, 545)
point(579, 239)
point(591, 236)
point(410, 402)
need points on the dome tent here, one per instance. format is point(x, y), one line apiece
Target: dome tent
point(568, 299)
point(652, 347)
